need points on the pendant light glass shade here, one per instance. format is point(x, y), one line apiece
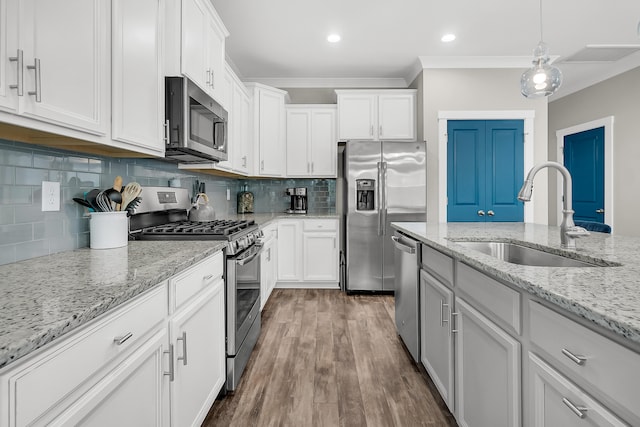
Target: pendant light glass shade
point(542, 79)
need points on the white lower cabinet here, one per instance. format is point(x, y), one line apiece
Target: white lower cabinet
point(487, 371)
point(268, 263)
point(556, 401)
point(141, 364)
point(198, 351)
point(308, 253)
point(436, 341)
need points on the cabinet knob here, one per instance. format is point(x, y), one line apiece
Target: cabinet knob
point(480, 212)
point(119, 340)
point(600, 211)
point(490, 213)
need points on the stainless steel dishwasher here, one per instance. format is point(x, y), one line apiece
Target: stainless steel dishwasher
point(407, 264)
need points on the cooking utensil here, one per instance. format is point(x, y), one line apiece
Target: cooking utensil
point(117, 185)
point(132, 205)
point(103, 202)
point(201, 211)
point(82, 202)
point(130, 192)
point(114, 196)
point(90, 197)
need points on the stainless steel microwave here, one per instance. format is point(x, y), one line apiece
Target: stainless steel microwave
point(196, 123)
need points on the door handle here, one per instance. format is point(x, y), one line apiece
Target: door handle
point(172, 372)
point(480, 212)
point(38, 91)
point(403, 248)
point(600, 211)
point(183, 338)
point(490, 213)
point(20, 83)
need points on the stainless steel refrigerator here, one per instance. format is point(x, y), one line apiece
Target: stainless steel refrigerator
point(386, 182)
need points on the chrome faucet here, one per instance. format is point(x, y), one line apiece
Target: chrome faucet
point(568, 229)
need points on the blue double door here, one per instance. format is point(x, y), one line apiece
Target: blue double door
point(485, 170)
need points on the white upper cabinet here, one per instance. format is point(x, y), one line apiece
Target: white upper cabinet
point(138, 73)
point(311, 140)
point(268, 129)
point(388, 114)
point(58, 61)
point(202, 46)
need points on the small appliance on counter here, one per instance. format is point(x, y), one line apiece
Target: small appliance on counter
point(298, 200)
point(245, 201)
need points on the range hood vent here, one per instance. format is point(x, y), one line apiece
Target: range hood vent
point(602, 53)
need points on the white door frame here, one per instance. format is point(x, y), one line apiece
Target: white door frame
point(444, 116)
point(607, 123)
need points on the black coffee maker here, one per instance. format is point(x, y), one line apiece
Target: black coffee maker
point(298, 200)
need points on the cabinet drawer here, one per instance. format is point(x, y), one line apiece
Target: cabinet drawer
point(610, 368)
point(196, 278)
point(320, 225)
point(270, 231)
point(438, 263)
point(559, 402)
point(40, 384)
point(500, 300)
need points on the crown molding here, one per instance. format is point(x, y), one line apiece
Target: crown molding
point(328, 82)
point(479, 61)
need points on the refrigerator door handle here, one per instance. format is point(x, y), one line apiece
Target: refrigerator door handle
point(383, 208)
point(379, 197)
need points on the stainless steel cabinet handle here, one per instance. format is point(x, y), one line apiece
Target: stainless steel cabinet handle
point(172, 372)
point(442, 319)
point(183, 338)
point(244, 161)
point(380, 131)
point(453, 331)
point(600, 211)
point(308, 167)
point(166, 131)
point(122, 338)
point(38, 91)
point(269, 254)
point(579, 360)
point(371, 131)
point(403, 248)
point(208, 82)
point(490, 213)
point(311, 167)
point(262, 165)
point(213, 80)
point(578, 410)
point(480, 212)
point(20, 69)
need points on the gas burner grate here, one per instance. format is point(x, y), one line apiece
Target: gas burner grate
point(215, 227)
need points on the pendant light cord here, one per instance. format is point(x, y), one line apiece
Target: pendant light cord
point(541, 39)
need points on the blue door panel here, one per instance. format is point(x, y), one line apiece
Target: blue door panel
point(485, 163)
point(584, 157)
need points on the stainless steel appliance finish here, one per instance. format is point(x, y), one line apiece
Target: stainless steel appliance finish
point(407, 261)
point(386, 182)
point(242, 267)
point(298, 200)
point(196, 123)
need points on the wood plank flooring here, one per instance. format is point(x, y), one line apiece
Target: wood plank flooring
point(325, 358)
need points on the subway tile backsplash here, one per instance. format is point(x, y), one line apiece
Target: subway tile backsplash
point(27, 232)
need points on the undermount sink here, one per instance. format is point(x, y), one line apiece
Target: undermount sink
point(523, 255)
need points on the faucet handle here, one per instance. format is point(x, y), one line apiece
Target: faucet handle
point(576, 231)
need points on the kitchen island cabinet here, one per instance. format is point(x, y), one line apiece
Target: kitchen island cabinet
point(104, 332)
point(544, 339)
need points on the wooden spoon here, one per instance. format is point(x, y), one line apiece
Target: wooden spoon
point(117, 185)
point(130, 192)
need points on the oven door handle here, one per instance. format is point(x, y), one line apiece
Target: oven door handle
point(244, 261)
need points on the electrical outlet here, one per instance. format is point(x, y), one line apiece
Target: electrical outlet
point(50, 196)
point(228, 194)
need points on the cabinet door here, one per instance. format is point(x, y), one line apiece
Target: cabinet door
point(214, 43)
point(193, 43)
point(298, 142)
point(271, 133)
point(267, 270)
point(243, 147)
point(66, 41)
point(357, 116)
point(135, 393)
point(137, 74)
point(198, 339)
point(397, 117)
point(320, 256)
point(8, 49)
point(289, 250)
point(556, 401)
point(323, 143)
point(436, 341)
point(487, 390)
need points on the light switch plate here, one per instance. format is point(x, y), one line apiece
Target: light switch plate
point(50, 196)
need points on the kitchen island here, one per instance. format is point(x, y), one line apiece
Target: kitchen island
point(510, 344)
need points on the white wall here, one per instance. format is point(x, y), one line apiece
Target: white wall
point(479, 90)
point(619, 97)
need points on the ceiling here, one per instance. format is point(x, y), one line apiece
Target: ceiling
point(387, 43)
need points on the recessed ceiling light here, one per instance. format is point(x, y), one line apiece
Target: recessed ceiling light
point(333, 38)
point(448, 38)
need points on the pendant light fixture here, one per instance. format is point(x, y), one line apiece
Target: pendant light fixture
point(542, 79)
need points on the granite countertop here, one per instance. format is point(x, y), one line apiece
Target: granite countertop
point(45, 297)
point(607, 296)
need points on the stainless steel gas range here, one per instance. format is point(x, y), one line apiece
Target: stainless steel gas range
point(163, 215)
